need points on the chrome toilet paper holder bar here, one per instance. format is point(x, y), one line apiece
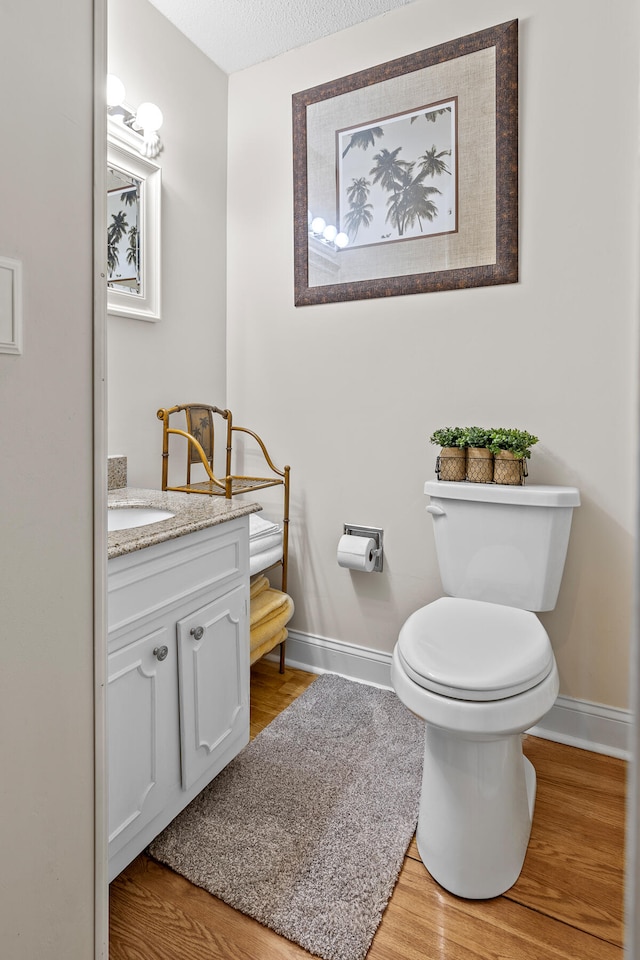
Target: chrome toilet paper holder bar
point(375, 533)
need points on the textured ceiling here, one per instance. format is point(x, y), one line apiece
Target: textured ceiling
point(238, 33)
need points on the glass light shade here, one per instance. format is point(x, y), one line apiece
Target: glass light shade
point(330, 233)
point(341, 240)
point(149, 117)
point(318, 225)
point(115, 91)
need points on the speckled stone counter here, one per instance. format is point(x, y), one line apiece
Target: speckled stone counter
point(116, 472)
point(191, 512)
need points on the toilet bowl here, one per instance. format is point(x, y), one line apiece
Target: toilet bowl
point(478, 667)
point(478, 789)
point(475, 667)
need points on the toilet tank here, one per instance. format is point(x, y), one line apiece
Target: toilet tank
point(500, 543)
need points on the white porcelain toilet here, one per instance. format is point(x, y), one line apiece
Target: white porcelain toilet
point(478, 667)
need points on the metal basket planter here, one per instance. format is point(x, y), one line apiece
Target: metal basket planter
point(508, 469)
point(452, 464)
point(479, 465)
point(504, 468)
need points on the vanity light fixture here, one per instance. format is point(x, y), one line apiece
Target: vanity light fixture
point(145, 121)
point(319, 229)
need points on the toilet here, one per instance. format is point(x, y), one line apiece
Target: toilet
point(478, 667)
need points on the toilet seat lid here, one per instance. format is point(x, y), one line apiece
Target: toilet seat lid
point(473, 650)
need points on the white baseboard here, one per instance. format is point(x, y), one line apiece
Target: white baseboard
point(578, 723)
point(591, 726)
point(322, 655)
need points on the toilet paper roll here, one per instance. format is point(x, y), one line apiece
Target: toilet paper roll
point(356, 553)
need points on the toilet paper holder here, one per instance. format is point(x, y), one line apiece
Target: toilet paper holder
point(375, 533)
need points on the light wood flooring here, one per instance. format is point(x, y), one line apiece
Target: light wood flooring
point(566, 905)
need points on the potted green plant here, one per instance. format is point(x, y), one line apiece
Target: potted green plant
point(452, 462)
point(479, 456)
point(510, 449)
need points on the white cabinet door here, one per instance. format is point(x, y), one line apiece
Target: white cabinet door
point(213, 651)
point(142, 731)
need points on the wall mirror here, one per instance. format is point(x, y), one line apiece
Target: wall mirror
point(10, 306)
point(133, 227)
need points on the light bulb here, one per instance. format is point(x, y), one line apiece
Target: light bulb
point(149, 117)
point(341, 240)
point(318, 225)
point(330, 233)
point(115, 91)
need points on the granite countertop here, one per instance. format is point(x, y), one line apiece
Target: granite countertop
point(191, 512)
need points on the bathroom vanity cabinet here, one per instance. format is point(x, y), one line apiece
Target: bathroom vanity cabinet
point(178, 677)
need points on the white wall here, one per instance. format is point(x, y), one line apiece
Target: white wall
point(46, 545)
point(182, 358)
point(349, 393)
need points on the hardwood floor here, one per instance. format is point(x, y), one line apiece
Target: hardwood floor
point(567, 903)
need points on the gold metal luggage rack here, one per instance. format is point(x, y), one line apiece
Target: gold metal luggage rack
point(200, 436)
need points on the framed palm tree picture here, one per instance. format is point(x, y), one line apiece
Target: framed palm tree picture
point(134, 186)
point(123, 231)
point(406, 174)
point(386, 195)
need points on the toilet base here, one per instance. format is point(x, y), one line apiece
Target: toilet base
point(476, 809)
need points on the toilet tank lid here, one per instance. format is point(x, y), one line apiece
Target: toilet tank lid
point(539, 495)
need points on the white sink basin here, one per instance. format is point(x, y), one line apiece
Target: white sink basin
point(125, 518)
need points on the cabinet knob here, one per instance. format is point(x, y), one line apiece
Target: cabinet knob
point(160, 653)
point(197, 633)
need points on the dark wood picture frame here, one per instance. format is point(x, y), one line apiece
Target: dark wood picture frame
point(484, 248)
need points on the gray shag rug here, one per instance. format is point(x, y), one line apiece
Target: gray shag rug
point(307, 828)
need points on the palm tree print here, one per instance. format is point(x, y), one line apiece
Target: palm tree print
point(432, 115)
point(360, 215)
point(363, 139)
point(358, 192)
point(115, 232)
point(388, 172)
point(408, 187)
point(360, 212)
point(133, 250)
point(432, 162)
point(410, 201)
point(123, 239)
point(130, 197)
point(388, 168)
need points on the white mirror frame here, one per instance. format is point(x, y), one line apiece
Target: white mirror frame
point(10, 306)
point(122, 152)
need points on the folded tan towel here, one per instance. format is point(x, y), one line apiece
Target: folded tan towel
point(268, 626)
point(257, 585)
point(268, 645)
point(265, 604)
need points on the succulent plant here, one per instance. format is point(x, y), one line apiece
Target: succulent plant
point(476, 436)
point(448, 437)
point(517, 442)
